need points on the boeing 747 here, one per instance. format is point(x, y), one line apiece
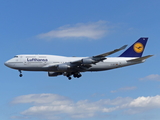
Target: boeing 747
point(68, 66)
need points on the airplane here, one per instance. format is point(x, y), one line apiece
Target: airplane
point(68, 66)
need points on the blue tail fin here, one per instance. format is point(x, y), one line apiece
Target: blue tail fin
point(136, 50)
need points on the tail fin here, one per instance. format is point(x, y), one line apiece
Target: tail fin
point(136, 50)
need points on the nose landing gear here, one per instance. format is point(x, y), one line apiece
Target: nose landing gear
point(20, 75)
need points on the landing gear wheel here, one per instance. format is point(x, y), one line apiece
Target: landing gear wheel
point(77, 75)
point(69, 78)
point(20, 75)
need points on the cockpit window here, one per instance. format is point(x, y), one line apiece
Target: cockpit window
point(15, 56)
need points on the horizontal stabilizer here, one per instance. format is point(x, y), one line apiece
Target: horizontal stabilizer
point(140, 59)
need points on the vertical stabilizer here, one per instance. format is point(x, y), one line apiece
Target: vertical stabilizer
point(136, 50)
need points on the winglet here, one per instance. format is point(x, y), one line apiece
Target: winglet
point(123, 47)
point(136, 50)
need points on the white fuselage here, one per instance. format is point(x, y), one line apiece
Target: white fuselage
point(44, 62)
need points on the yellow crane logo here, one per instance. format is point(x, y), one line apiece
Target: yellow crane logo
point(138, 47)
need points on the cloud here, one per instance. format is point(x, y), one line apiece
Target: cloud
point(42, 99)
point(124, 89)
point(53, 106)
point(154, 77)
point(142, 104)
point(94, 30)
point(149, 102)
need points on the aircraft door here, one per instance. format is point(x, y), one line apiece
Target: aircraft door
point(119, 63)
point(24, 60)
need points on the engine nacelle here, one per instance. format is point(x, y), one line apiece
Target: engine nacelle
point(53, 74)
point(63, 67)
point(88, 61)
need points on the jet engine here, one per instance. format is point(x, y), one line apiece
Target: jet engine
point(88, 61)
point(63, 67)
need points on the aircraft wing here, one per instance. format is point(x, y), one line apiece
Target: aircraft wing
point(97, 58)
point(84, 63)
point(51, 65)
point(111, 52)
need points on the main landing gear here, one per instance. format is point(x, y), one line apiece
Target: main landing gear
point(69, 78)
point(20, 75)
point(75, 75)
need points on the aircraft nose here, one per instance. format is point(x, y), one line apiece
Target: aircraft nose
point(10, 63)
point(6, 63)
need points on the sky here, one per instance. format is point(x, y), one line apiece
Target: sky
point(79, 28)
